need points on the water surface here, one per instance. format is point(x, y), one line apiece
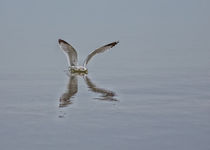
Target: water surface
point(160, 107)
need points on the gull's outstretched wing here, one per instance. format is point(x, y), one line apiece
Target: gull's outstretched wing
point(69, 51)
point(99, 50)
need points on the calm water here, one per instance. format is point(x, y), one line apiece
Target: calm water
point(124, 108)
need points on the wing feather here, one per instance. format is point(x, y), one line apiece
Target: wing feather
point(70, 52)
point(99, 50)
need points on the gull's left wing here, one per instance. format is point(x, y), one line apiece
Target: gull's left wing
point(99, 50)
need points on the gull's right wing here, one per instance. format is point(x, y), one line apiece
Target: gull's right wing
point(69, 51)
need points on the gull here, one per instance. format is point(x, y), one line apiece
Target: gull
point(71, 55)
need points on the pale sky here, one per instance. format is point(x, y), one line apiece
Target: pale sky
point(30, 29)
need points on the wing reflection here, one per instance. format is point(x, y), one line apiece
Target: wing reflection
point(72, 88)
point(106, 94)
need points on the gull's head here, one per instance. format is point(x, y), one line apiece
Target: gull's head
point(78, 69)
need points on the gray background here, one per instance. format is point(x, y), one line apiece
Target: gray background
point(159, 71)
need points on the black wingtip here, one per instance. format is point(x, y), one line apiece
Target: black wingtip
point(113, 44)
point(62, 41)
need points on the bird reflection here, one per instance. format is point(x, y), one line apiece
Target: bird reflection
point(106, 94)
point(72, 88)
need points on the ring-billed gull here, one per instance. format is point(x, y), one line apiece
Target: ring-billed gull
point(71, 54)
